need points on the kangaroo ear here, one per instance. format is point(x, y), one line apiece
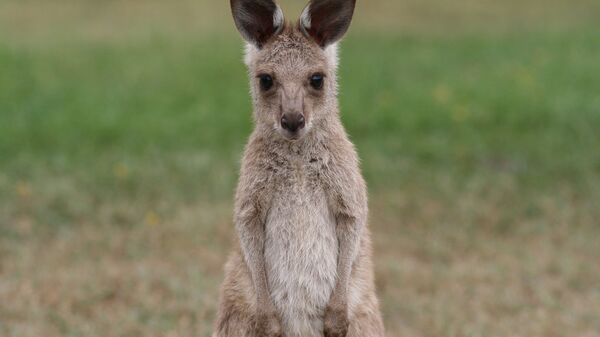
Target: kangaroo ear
point(326, 21)
point(257, 20)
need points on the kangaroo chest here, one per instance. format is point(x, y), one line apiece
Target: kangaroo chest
point(301, 251)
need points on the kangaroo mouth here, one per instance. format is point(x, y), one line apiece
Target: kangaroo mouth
point(292, 136)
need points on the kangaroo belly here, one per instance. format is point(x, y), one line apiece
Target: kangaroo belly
point(301, 258)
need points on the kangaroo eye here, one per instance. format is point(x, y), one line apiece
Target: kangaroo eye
point(266, 82)
point(316, 81)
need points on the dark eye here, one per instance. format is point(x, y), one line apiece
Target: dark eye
point(316, 81)
point(266, 82)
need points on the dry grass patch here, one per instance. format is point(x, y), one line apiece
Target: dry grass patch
point(158, 277)
point(444, 268)
point(455, 268)
point(41, 22)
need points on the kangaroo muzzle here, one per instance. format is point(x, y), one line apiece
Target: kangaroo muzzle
point(292, 122)
point(292, 107)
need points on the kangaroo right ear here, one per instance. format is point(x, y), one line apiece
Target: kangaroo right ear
point(257, 20)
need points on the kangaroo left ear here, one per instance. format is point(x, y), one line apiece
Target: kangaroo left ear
point(326, 21)
point(257, 20)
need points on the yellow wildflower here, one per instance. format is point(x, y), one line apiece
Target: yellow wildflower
point(23, 190)
point(151, 218)
point(441, 94)
point(460, 113)
point(121, 171)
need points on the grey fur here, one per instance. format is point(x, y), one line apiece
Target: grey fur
point(303, 267)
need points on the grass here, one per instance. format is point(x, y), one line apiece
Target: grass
point(119, 156)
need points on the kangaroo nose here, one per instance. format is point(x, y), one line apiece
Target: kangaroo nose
point(292, 123)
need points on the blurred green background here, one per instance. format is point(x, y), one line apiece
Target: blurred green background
point(122, 124)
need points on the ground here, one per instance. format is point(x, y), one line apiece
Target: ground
point(122, 125)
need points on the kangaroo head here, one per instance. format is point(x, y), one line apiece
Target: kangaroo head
point(292, 68)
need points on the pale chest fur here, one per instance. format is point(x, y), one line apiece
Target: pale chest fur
point(300, 248)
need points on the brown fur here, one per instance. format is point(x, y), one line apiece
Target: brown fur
point(292, 188)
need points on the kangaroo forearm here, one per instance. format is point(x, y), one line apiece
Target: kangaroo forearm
point(251, 234)
point(348, 230)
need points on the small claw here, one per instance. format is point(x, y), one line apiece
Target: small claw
point(267, 325)
point(335, 323)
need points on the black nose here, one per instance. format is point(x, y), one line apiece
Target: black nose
point(292, 123)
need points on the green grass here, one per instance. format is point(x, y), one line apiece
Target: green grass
point(452, 107)
point(119, 157)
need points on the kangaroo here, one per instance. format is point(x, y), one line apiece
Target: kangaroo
point(303, 265)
